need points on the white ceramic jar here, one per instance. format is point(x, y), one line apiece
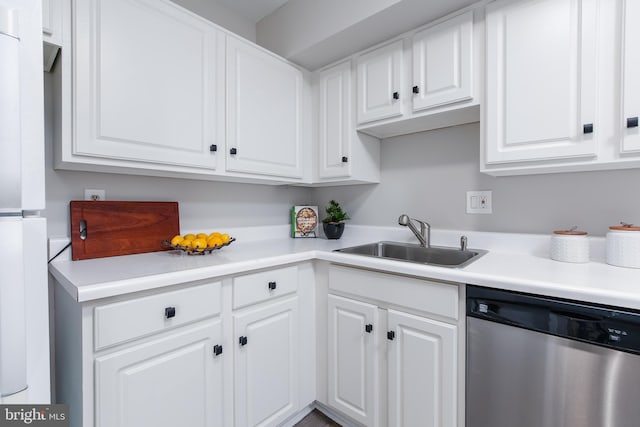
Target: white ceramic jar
point(570, 246)
point(623, 246)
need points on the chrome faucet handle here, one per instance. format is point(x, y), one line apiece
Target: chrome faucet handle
point(424, 235)
point(463, 243)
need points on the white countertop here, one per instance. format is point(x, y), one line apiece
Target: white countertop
point(517, 262)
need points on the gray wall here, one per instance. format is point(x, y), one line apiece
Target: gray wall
point(426, 175)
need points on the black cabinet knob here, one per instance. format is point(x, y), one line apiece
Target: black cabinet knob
point(169, 312)
point(587, 128)
point(272, 286)
point(243, 340)
point(632, 122)
point(345, 159)
point(233, 151)
point(391, 335)
point(217, 350)
point(213, 148)
point(396, 95)
point(416, 89)
point(368, 328)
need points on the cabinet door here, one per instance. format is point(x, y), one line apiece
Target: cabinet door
point(423, 361)
point(541, 80)
point(145, 76)
point(442, 63)
point(380, 83)
point(264, 112)
point(335, 121)
point(175, 380)
point(52, 21)
point(266, 364)
point(352, 359)
point(630, 82)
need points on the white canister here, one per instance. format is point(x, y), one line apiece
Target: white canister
point(570, 246)
point(623, 245)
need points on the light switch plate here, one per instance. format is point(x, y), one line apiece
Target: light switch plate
point(479, 202)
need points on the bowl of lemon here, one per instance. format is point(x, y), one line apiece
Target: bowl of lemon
point(199, 244)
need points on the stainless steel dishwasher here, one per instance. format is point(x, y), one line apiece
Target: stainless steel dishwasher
point(535, 361)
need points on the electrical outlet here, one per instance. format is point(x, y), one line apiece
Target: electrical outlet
point(90, 194)
point(479, 202)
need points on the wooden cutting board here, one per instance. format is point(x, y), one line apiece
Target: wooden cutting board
point(121, 228)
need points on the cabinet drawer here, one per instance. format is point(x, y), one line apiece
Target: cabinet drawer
point(126, 320)
point(265, 285)
point(424, 295)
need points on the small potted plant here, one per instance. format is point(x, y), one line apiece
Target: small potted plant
point(333, 223)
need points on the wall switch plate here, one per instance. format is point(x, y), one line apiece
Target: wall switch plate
point(479, 202)
point(90, 194)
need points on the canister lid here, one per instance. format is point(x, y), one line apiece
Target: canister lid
point(625, 227)
point(573, 231)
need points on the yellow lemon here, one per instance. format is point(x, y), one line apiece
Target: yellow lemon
point(213, 242)
point(176, 240)
point(198, 244)
point(189, 236)
point(215, 234)
point(202, 236)
point(225, 238)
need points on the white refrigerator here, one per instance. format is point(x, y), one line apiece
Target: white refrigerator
point(24, 307)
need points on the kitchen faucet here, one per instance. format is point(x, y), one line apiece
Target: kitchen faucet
point(424, 235)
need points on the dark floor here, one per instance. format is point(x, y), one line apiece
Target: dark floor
point(316, 419)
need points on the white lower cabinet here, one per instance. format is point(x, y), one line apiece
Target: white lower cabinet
point(170, 381)
point(422, 371)
point(266, 364)
point(388, 367)
point(352, 359)
point(237, 351)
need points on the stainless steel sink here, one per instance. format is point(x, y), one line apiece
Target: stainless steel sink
point(434, 255)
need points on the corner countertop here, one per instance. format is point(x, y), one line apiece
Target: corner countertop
point(516, 262)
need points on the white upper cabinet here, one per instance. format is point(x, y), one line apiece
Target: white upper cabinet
point(147, 84)
point(335, 121)
point(380, 84)
point(443, 63)
point(630, 77)
point(541, 80)
point(52, 21)
point(51, 31)
point(150, 88)
point(425, 79)
point(264, 112)
point(344, 155)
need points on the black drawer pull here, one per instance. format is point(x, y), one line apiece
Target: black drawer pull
point(396, 95)
point(272, 286)
point(233, 151)
point(243, 340)
point(632, 122)
point(587, 128)
point(368, 328)
point(391, 335)
point(217, 350)
point(213, 148)
point(345, 159)
point(170, 312)
point(416, 89)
